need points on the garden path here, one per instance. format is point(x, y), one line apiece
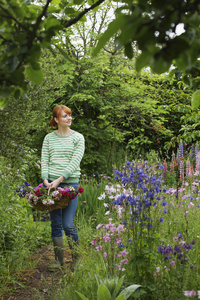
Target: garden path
point(38, 282)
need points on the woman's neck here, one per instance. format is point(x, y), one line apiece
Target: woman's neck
point(64, 131)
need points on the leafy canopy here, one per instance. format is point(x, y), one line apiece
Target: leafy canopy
point(27, 26)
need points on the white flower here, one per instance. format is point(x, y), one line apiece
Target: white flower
point(102, 196)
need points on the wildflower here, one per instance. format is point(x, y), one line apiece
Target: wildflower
point(118, 240)
point(190, 204)
point(107, 213)
point(99, 226)
point(107, 238)
point(182, 243)
point(93, 242)
point(105, 254)
point(120, 228)
point(124, 261)
point(175, 239)
point(102, 196)
point(124, 253)
point(157, 269)
point(172, 263)
point(99, 248)
point(161, 220)
point(117, 255)
point(189, 293)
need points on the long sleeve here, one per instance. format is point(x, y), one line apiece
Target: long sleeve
point(45, 159)
point(76, 157)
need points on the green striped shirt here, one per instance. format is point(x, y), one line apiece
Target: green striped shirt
point(61, 156)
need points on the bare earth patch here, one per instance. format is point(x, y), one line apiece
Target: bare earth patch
point(39, 282)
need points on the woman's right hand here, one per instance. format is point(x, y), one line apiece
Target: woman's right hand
point(46, 183)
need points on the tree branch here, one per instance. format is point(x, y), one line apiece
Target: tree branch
point(37, 23)
point(9, 16)
point(85, 11)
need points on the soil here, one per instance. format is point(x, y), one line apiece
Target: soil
point(39, 282)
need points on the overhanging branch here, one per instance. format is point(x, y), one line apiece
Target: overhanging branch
point(73, 21)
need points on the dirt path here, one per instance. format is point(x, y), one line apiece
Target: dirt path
point(39, 282)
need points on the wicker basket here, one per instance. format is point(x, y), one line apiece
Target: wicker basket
point(61, 203)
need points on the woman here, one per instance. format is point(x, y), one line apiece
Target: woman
point(62, 152)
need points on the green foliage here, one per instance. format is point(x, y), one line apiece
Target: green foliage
point(19, 233)
point(26, 28)
point(108, 289)
point(157, 26)
point(196, 99)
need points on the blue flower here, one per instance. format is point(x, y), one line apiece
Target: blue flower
point(164, 203)
point(149, 225)
point(165, 210)
point(161, 220)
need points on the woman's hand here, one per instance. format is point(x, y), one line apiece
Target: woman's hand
point(47, 183)
point(54, 184)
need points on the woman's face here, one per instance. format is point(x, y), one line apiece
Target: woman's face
point(64, 120)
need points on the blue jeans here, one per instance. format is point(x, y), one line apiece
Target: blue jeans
point(63, 218)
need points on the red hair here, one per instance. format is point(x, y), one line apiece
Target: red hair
point(57, 112)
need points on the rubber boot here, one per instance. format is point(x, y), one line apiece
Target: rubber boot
point(59, 253)
point(73, 245)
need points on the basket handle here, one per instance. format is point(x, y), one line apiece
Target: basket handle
point(49, 191)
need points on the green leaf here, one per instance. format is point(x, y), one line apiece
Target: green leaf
point(129, 290)
point(113, 27)
point(121, 297)
point(82, 296)
point(142, 61)
point(195, 99)
point(3, 102)
point(117, 288)
point(129, 50)
point(13, 63)
point(77, 1)
point(35, 52)
point(69, 10)
point(160, 65)
point(52, 22)
point(103, 293)
point(56, 2)
point(36, 76)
